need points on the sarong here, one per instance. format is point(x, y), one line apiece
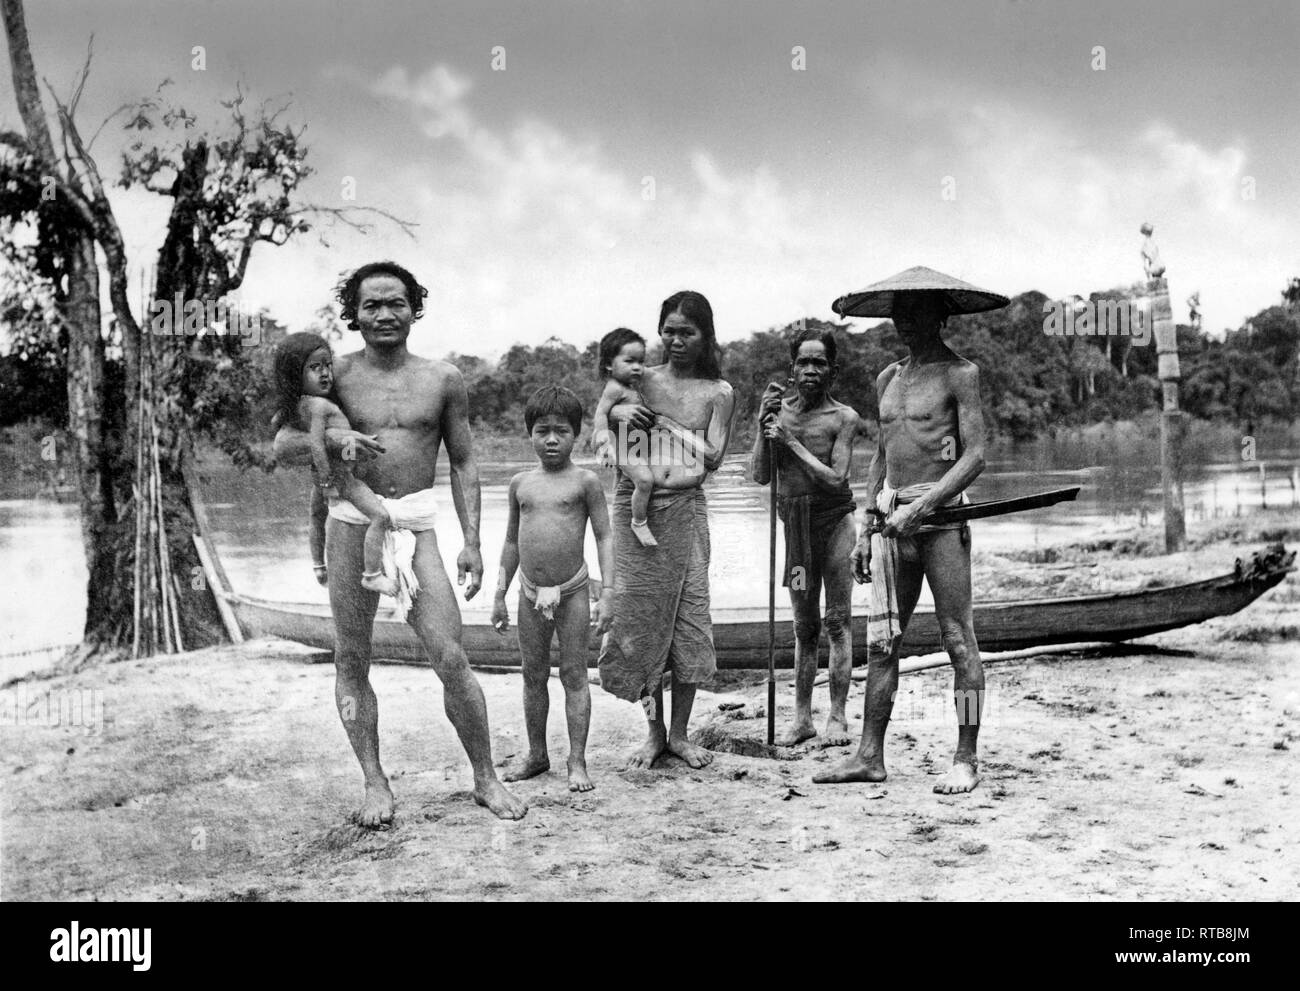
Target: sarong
point(661, 596)
point(882, 616)
point(546, 598)
point(410, 514)
point(809, 521)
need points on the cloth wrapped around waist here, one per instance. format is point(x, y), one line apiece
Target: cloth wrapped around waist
point(546, 597)
point(661, 596)
point(882, 617)
point(411, 514)
point(809, 521)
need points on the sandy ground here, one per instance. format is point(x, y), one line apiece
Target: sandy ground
point(1164, 771)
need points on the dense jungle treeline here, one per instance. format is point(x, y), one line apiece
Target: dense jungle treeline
point(1032, 383)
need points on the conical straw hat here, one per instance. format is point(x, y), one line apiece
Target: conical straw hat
point(878, 300)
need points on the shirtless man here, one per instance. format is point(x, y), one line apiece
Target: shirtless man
point(931, 442)
point(814, 437)
point(418, 405)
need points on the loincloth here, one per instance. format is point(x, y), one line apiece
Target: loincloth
point(411, 514)
point(546, 598)
point(809, 521)
point(882, 616)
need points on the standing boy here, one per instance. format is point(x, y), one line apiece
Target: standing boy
point(549, 509)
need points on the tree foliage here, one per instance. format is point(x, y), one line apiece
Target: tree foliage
point(1031, 383)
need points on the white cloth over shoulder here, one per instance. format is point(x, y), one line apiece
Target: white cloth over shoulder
point(410, 514)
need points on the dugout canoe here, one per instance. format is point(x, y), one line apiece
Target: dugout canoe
point(740, 635)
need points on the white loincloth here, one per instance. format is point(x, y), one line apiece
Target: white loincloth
point(410, 514)
point(546, 597)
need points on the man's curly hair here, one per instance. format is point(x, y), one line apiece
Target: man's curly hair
point(348, 291)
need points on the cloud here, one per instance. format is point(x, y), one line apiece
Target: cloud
point(537, 231)
point(1059, 205)
point(533, 181)
point(438, 94)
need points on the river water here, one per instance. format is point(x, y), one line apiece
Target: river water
point(260, 524)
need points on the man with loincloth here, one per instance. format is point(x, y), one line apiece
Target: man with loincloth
point(419, 405)
point(931, 448)
point(661, 593)
point(813, 435)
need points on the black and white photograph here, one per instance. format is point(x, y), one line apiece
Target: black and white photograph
point(731, 451)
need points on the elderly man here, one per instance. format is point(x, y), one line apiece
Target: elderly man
point(813, 435)
point(931, 448)
point(417, 405)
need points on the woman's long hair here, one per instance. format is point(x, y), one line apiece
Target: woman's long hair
point(291, 356)
point(695, 308)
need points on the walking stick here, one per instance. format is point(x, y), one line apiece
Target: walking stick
point(771, 588)
point(771, 595)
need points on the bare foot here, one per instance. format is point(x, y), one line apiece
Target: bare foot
point(499, 802)
point(961, 778)
point(642, 533)
point(695, 756)
point(380, 583)
point(856, 768)
point(837, 733)
point(645, 757)
point(578, 779)
point(527, 767)
point(797, 734)
point(376, 810)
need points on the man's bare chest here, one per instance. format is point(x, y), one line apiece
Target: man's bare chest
point(917, 397)
point(816, 430)
point(373, 401)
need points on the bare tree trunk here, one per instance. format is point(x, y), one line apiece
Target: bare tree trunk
point(77, 301)
point(26, 90)
point(85, 369)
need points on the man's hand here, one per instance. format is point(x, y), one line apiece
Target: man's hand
point(905, 520)
point(352, 446)
point(604, 614)
point(774, 429)
point(770, 402)
point(500, 614)
point(860, 558)
point(636, 417)
point(469, 562)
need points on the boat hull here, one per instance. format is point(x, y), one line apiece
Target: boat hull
point(740, 635)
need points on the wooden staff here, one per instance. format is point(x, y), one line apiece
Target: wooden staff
point(771, 586)
point(771, 594)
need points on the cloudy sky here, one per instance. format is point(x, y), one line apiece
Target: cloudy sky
point(774, 189)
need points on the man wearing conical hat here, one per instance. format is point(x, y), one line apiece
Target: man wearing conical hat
point(931, 447)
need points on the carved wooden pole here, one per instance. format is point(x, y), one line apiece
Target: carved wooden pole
point(1171, 417)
